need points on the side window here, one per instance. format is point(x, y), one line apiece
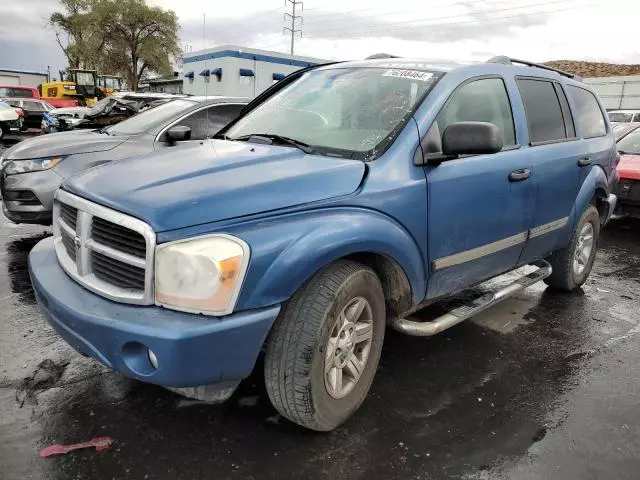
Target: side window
point(543, 111)
point(636, 117)
point(221, 115)
point(566, 112)
point(483, 100)
point(207, 122)
point(589, 114)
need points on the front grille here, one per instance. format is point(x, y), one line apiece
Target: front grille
point(106, 251)
point(69, 244)
point(120, 238)
point(69, 214)
point(116, 272)
point(22, 197)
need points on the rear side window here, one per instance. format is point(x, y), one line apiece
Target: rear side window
point(543, 110)
point(589, 114)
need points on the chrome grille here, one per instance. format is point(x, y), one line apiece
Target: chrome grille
point(120, 238)
point(108, 252)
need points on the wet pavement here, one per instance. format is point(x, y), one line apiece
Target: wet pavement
point(544, 386)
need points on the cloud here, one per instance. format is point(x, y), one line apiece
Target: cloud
point(27, 41)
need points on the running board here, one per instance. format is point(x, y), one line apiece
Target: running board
point(457, 315)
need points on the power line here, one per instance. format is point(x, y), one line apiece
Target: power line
point(439, 26)
point(294, 18)
point(391, 26)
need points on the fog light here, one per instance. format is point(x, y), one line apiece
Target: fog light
point(152, 358)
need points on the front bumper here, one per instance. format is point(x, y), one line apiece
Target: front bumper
point(191, 350)
point(28, 197)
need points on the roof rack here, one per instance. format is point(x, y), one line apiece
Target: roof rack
point(510, 61)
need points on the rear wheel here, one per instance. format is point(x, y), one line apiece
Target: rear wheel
point(572, 265)
point(324, 349)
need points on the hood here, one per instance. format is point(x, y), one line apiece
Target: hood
point(218, 180)
point(629, 167)
point(64, 143)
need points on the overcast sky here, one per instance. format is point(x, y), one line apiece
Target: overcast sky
point(539, 30)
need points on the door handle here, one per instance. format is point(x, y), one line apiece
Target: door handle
point(583, 162)
point(519, 175)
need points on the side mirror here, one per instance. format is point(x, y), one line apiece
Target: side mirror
point(179, 133)
point(471, 138)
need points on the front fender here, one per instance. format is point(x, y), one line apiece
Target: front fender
point(287, 250)
point(595, 184)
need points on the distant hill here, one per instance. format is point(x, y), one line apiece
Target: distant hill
point(594, 69)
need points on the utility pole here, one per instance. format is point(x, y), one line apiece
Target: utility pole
point(294, 18)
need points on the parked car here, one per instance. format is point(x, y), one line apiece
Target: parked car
point(624, 116)
point(622, 129)
point(342, 200)
point(15, 91)
point(33, 111)
point(628, 190)
point(32, 170)
point(9, 120)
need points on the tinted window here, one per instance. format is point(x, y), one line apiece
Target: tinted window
point(15, 92)
point(542, 107)
point(221, 115)
point(566, 112)
point(32, 106)
point(483, 100)
point(206, 123)
point(636, 117)
point(589, 114)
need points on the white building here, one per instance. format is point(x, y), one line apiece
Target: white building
point(617, 93)
point(237, 71)
point(21, 78)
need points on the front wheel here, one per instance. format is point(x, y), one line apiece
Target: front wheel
point(572, 265)
point(324, 349)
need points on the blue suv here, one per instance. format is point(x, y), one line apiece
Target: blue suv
point(342, 200)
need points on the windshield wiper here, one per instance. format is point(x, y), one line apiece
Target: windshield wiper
point(103, 130)
point(277, 139)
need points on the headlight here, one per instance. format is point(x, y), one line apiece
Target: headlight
point(12, 167)
point(201, 275)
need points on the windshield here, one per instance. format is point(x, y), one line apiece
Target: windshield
point(620, 117)
point(630, 143)
point(84, 78)
point(354, 112)
point(145, 121)
point(15, 92)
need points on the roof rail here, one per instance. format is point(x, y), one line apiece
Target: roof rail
point(381, 55)
point(510, 61)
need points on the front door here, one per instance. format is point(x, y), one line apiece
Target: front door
point(479, 206)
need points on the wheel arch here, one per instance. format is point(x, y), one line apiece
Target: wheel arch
point(321, 238)
point(594, 190)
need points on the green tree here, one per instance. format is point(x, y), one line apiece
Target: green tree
point(141, 38)
point(125, 37)
point(76, 33)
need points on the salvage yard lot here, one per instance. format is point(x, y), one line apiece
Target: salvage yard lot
point(543, 386)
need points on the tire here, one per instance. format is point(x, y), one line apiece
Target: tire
point(3, 130)
point(309, 329)
point(565, 275)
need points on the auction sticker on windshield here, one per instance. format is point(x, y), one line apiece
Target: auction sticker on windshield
point(410, 74)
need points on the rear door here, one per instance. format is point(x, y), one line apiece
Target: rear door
point(555, 152)
point(479, 207)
